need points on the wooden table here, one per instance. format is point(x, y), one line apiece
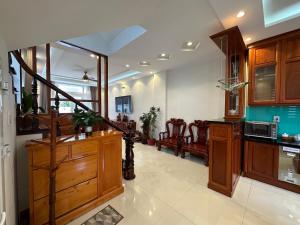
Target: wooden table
point(90, 175)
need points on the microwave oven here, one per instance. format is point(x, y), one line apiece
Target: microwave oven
point(261, 129)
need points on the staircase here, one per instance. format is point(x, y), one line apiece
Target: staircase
point(128, 162)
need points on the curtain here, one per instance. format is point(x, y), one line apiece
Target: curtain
point(43, 98)
point(94, 98)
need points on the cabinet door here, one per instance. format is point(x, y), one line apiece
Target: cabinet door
point(264, 74)
point(220, 158)
point(261, 160)
point(265, 54)
point(234, 100)
point(290, 79)
point(111, 163)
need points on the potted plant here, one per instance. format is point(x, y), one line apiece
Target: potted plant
point(149, 125)
point(86, 119)
point(24, 121)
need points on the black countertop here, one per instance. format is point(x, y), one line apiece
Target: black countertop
point(278, 141)
point(225, 121)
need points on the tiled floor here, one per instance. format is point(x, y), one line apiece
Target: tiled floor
point(169, 190)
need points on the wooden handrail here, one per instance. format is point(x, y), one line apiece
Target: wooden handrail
point(28, 70)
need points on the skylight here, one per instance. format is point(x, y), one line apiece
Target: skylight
point(109, 43)
point(276, 11)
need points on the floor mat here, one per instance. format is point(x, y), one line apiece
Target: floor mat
point(107, 216)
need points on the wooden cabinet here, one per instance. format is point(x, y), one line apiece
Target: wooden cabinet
point(224, 156)
point(261, 160)
point(90, 175)
point(290, 72)
point(231, 43)
point(274, 70)
point(264, 74)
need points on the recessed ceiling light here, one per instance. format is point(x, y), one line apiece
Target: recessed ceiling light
point(144, 63)
point(248, 39)
point(151, 72)
point(190, 46)
point(163, 56)
point(189, 43)
point(240, 14)
point(127, 65)
point(92, 55)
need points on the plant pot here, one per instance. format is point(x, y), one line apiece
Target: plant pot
point(88, 130)
point(151, 141)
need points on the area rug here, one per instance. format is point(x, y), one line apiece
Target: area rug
point(107, 216)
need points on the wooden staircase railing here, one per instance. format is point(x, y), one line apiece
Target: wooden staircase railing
point(128, 163)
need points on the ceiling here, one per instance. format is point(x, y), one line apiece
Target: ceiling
point(169, 23)
point(252, 24)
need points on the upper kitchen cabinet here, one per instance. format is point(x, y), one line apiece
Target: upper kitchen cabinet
point(264, 73)
point(290, 69)
point(274, 70)
point(231, 43)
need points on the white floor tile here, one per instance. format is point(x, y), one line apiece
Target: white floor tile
point(169, 190)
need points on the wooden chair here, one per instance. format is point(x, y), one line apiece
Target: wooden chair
point(172, 138)
point(196, 143)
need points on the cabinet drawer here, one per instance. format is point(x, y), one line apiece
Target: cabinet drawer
point(66, 200)
point(219, 130)
point(68, 174)
point(41, 154)
point(84, 149)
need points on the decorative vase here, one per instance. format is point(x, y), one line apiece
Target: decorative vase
point(151, 141)
point(88, 130)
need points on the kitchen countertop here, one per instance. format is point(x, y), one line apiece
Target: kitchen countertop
point(222, 120)
point(278, 141)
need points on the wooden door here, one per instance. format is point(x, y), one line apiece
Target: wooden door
point(290, 79)
point(264, 76)
point(261, 160)
point(111, 164)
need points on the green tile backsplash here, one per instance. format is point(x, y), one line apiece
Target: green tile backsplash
point(289, 117)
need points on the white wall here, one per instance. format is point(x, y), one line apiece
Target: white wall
point(146, 92)
point(9, 135)
point(192, 92)
point(189, 92)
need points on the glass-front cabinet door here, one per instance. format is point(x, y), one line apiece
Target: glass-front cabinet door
point(264, 74)
point(265, 83)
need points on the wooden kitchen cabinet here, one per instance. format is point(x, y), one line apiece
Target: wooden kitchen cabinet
point(264, 74)
point(290, 78)
point(224, 156)
point(261, 161)
point(274, 70)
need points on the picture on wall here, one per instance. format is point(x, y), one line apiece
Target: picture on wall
point(123, 104)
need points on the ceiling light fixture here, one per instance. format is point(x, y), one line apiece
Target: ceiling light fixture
point(151, 72)
point(163, 56)
point(144, 63)
point(127, 65)
point(248, 39)
point(190, 46)
point(189, 43)
point(92, 55)
point(240, 14)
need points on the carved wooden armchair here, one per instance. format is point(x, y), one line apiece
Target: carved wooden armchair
point(172, 138)
point(196, 143)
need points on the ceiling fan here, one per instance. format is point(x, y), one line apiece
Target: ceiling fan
point(86, 77)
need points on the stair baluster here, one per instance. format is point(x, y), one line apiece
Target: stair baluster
point(56, 103)
point(35, 107)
